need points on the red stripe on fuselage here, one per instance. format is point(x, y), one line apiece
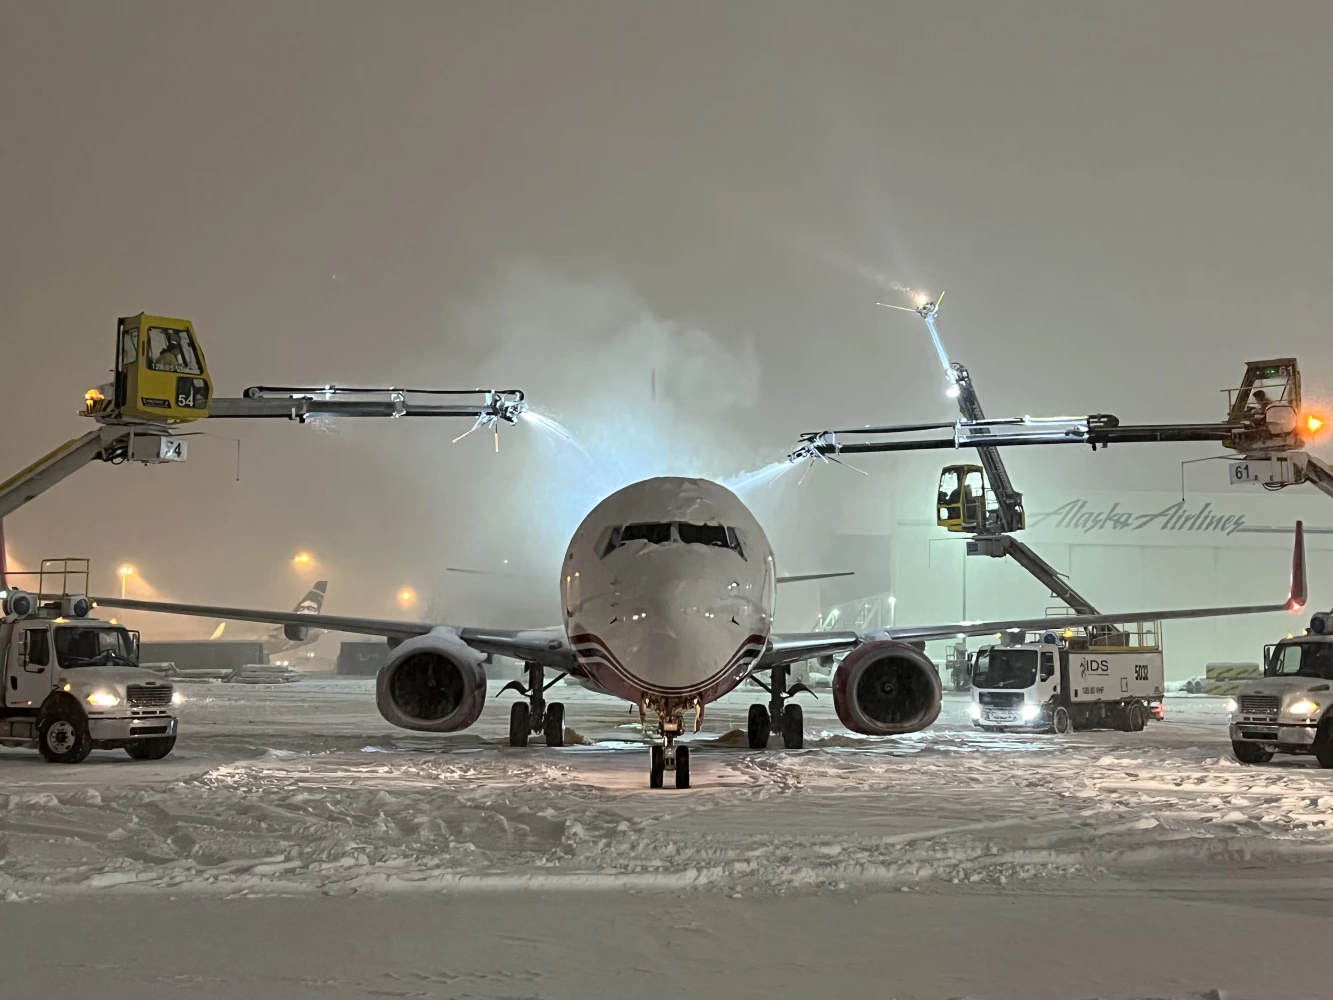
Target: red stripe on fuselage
point(607, 670)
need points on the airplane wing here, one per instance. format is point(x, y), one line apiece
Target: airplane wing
point(551, 648)
point(803, 577)
point(337, 623)
point(547, 647)
point(791, 647)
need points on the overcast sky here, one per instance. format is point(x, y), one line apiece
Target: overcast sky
point(1125, 201)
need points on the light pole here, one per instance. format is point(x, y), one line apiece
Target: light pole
point(893, 611)
point(125, 572)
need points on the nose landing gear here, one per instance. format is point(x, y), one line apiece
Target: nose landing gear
point(535, 715)
point(778, 717)
point(667, 756)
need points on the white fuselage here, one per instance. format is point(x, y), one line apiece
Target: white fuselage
point(668, 592)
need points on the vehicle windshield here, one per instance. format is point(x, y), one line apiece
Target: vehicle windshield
point(172, 351)
point(80, 646)
point(1301, 659)
point(1005, 668)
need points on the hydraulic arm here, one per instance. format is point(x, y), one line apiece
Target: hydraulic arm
point(161, 383)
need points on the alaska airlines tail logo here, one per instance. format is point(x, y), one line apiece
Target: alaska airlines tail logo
point(313, 600)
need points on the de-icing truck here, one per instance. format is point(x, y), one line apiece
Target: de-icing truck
point(71, 681)
point(1290, 709)
point(1106, 676)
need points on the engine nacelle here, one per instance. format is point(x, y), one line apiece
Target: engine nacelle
point(433, 683)
point(886, 687)
point(296, 633)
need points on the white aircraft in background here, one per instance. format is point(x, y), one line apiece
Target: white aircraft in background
point(288, 637)
point(667, 590)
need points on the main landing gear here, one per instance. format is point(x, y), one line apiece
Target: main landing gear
point(535, 715)
point(778, 717)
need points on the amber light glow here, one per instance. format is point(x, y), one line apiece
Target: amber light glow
point(407, 596)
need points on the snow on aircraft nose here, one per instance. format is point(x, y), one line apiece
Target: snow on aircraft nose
point(692, 631)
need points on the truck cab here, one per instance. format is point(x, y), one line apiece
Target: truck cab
point(1106, 677)
point(1288, 709)
point(72, 683)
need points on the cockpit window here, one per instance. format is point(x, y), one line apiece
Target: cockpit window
point(703, 534)
point(662, 532)
point(734, 542)
point(655, 534)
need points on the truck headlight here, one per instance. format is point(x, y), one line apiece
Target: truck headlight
point(1304, 706)
point(1231, 705)
point(177, 698)
point(1030, 712)
point(103, 699)
point(974, 710)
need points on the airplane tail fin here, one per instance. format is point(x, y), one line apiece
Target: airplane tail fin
point(313, 601)
point(1299, 588)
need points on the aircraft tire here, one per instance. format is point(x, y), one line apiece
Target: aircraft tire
point(793, 727)
point(757, 727)
point(520, 724)
point(682, 767)
point(656, 766)
point(555, 724)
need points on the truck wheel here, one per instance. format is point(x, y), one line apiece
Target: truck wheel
point(1060, 722)
point(63, 736)
point(151, 747)
point(1137, 716)
point(1323, 745)
point(1251, 753)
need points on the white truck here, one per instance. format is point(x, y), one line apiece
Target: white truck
point(72, 684)
point(1106, 677)
point(1289, 709)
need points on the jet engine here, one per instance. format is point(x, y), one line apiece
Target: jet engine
point(296, 633)
point(433, 683)
point(886, 687)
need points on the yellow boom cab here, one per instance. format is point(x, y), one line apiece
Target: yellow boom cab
point(160, 370)
point(964, 502)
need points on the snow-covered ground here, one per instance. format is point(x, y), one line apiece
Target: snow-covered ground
point(1100, 864)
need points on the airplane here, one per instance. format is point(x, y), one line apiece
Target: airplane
point(667, 592)
point(288, 637)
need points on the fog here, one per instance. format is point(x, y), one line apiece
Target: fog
point(668, 224)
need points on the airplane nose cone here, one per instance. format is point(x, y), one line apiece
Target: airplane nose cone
point(671, 656)
point(689, 635)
